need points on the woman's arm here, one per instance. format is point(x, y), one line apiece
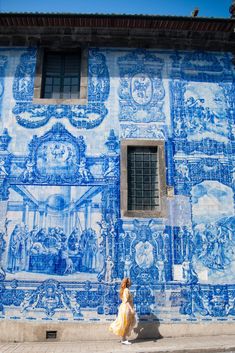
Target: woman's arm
point(128, 300)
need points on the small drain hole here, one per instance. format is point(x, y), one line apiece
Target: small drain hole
point(51, 334)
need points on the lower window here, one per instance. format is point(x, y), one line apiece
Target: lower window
point(143, 183)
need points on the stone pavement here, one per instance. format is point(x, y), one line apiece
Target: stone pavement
point(203, 344)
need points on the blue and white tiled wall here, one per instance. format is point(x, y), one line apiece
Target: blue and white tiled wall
point(63, 246)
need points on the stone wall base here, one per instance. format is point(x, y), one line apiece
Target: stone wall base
point(13, 331)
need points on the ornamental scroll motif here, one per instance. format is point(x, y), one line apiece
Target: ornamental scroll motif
point(141, 90)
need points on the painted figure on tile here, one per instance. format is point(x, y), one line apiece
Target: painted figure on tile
point(231, 303)
point(3, 171)
point(205, 111)
point(127, 266)
point(28, 245)
point(16, 251)
point(141, 88)
point(33, 233)
point(112, 168)
point(66, 265)
point(28, 174)
point(27, 303)
point(183, 171)
point(218, 302)
point(50, 299)
point(2, 250)
point(109, 269)
point(161, 269)
point(216, 245)
point(74, 305)
point(83, 171)
point(144, 254)
point(144, 249)
point(189, 274)
point(89, 246)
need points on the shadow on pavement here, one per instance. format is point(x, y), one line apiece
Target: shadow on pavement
point(147, 329)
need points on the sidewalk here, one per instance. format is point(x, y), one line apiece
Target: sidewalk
point(204, 344)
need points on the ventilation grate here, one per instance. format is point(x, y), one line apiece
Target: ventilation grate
point(51, 334)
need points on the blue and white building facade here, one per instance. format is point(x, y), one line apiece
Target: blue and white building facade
point(64, 246)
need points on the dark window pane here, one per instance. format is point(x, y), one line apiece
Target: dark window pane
point(154, 157)
point(74, 89)
point(139, 179)
point(139, 193)
point(146, 164)
point(67, 81)
point(147, 171)
point(66, 89)
point(147, 193)
point(56, 88)
point(48, 89)
point(48, 81)
point(146, 187)
point(146, 158)
point(55, 95)
point(147, 207)
point(48, 95)
point(56, 81)
point(75, 81)
point(138, 187)
point(139, 201)
point(154, 179)
point(74, 95)
point(138, 157)
point(138, 164)
point(60, 70)
point(147, 179)
point(139, 171)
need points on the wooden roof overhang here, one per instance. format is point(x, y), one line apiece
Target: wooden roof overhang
point(150, 31)
point(154, 22)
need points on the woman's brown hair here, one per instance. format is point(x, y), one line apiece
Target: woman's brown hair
point(125, 283)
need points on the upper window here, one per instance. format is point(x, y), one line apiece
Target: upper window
point(143, 178)
point(61, 75)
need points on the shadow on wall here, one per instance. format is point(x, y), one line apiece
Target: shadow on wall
point(147, 328)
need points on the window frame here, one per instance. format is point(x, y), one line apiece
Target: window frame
point(161, 211)
point(38, 82)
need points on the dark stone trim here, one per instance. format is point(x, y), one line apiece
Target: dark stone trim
point(68, 38)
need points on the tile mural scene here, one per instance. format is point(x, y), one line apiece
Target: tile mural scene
point(64, 246)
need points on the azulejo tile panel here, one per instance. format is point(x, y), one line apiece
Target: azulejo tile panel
point(63, 245)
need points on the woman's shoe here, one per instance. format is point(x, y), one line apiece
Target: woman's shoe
point(126, 342)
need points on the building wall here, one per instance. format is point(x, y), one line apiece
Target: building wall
point(64, 246)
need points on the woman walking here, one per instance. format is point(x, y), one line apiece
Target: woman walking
point(126, 319)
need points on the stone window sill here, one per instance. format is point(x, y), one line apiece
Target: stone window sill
point(47, 101)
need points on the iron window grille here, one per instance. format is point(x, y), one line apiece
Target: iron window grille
point(143, 178)
point(143, 184)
